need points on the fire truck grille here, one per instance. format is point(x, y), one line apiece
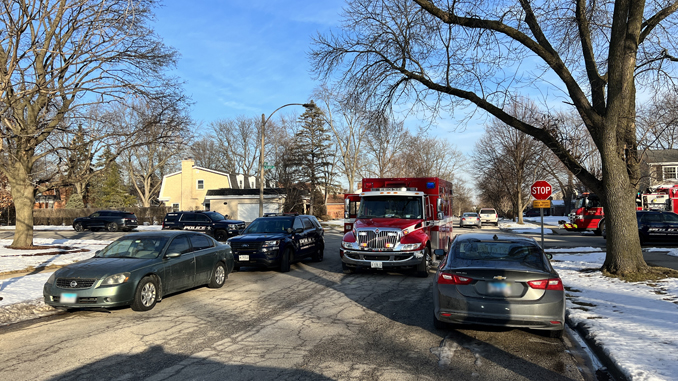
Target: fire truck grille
point(379, 238)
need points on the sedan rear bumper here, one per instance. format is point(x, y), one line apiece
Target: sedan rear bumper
point(547, 313)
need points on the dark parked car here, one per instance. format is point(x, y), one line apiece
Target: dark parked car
point(139, 269)
point(654, 226)
point(111, 220)
point(212, 223)
point(278, 241)
point(536, 213)
point(500, 280)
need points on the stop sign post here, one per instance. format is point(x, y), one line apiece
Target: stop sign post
point(541, 190)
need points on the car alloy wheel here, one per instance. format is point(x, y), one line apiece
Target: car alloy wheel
point(78, 227)
point(146, 295)
point(218, 276)
point(112, 227)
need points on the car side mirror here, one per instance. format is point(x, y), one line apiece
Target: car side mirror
point(439, 252)
point(440, 215)
point(549, 256)
point(173, 255)
point(290, 230)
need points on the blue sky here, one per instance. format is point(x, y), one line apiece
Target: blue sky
point(250, 57)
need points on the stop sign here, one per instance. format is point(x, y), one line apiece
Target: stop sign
point(540, 190)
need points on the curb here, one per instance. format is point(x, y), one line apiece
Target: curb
point(610, 367)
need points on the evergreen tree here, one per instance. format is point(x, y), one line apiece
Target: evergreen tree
point(109, 190)
point(75, 202)
point(312, 152)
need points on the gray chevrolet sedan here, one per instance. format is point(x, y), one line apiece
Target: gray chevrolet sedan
point(500, 280)
point(139, 269)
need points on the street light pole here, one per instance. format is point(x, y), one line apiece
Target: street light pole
point(264, 120)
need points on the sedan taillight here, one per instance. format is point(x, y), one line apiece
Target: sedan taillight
point(547, 284)
point(444, 278)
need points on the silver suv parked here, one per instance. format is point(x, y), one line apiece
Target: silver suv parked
point(489, 215)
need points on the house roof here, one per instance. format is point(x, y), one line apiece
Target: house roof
point(661, 156)
point(245, 192)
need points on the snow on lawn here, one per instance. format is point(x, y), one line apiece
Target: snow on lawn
point(529, 226)
point(68, 227)
point(635, 323)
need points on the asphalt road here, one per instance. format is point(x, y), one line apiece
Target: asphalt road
point(312, 323)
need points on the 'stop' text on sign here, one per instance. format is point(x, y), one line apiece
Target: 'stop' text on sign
point(540, 190)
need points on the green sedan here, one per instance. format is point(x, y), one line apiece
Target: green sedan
point(139, 269)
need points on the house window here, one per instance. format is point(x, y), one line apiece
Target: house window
point(201, 184)
point(175, 207)
point(669, 173)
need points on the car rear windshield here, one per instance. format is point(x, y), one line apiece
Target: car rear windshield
point(129, 215)
point(470, 215)
point(269, 225)
point(504, 251)
point(487, 211)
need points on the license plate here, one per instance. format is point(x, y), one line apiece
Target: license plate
point(243, 258)
point(376, 265)
point(68, 298)
point(498, 288)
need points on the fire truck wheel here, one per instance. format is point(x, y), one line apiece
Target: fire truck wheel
point(422, 268)
point(346, 269)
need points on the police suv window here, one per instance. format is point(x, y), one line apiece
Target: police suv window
point(188, 217)
point(201, 218)
point(670, 217)
point(307, 224)
point(297, 224)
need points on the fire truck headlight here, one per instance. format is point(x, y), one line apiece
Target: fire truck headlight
point(408, 246)
point(350, 245)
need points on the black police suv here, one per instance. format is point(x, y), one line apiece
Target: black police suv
point(212, 223)
point(654, 226)
point(279, 240)
point(111, 220)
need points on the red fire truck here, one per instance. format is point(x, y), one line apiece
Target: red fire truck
point(396, 223)
point(659, 197)
point(586, 215)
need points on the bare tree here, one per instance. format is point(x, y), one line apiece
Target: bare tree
point(57, 55)
point(164, 130)
point(439, 54)
point(429, 156)
point(239, 140)
point(511, 157)
point(348, 121)
point(385, 138)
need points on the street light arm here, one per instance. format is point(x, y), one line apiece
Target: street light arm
point(264, 120)
point(306, 105)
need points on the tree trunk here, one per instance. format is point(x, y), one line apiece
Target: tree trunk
point(23, 194)
point(624, 254)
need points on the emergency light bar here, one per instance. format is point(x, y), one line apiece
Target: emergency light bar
point(394, 189)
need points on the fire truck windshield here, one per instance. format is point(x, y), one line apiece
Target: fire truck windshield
point(408, 207)
point(587, 202)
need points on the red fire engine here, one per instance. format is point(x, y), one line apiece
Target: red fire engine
point(396, 223)
point(586, 215)
point(659, 197)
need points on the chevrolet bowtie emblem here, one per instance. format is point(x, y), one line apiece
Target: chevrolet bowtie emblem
point(499, 277)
